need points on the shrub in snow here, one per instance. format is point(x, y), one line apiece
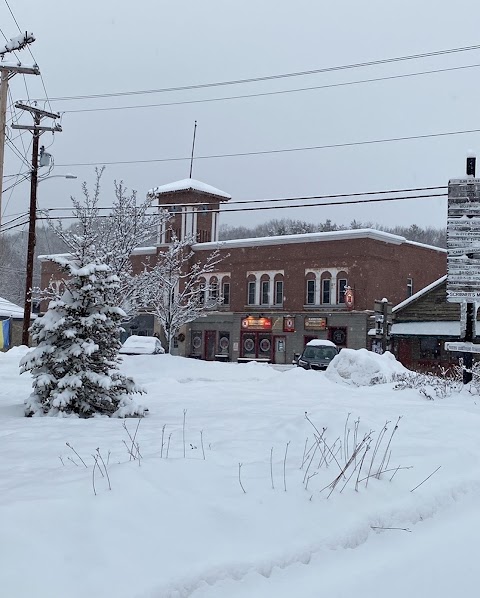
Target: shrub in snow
point(75, 364)
point(360, 367)
point(431, 386)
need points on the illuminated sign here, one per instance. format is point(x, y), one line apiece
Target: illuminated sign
point(254, 323)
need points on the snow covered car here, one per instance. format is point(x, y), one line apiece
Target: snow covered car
point(142, 345)
point(317, 354)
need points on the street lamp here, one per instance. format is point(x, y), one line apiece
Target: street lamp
point(31, 250)
point(59, 176)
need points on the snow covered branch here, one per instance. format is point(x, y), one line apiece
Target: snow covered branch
point(175, 289)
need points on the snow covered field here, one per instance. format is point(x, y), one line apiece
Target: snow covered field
point(178, 527)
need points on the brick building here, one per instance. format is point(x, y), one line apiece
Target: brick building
point(280, 292)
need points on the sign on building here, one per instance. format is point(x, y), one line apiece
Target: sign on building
point(254, 323)
point(315, 323)
point(463, 240)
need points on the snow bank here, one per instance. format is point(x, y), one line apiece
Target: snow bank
point(363, 368)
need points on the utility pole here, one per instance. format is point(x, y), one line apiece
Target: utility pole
point(37, 129)
point(7, 71)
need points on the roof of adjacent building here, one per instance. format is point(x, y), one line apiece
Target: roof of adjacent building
point(419, 294)
point(339, 235)
point(189, 185)
point(10, 310)
point(435, 328)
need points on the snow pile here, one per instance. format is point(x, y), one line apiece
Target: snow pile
point(360, 367)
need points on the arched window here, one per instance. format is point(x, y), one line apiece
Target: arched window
point(226, 290)
point(342, 282)
point(310, 289)
point(213, 288)
point(278, 289)
point(265, 289)
point(326, 288)
point(202, 287)
point(251, 289)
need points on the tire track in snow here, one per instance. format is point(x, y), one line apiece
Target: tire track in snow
point(408, 515)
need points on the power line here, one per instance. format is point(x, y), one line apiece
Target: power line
point(288, 207)
point(277, 199)
point(33, 57)
point(277, 151)
point(269, 77)
point(272, 93)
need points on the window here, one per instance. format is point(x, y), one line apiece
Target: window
point(310, 292)
point(265, 299)
point(409, 287)
point(226, 293)
point(279, 292)
point(326, 290)
point(342, 283)
point(214, 290)
point(251, 293)
point(201, 295)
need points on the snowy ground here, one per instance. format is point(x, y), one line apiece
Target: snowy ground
point(181, 527)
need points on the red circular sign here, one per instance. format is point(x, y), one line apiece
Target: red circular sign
point(349, 297)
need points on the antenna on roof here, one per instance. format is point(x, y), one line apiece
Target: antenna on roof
point(193, 148)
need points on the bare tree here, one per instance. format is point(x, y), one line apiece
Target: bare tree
point(113, 237)
point(175, 291)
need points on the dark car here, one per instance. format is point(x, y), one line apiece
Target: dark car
point(317, 354)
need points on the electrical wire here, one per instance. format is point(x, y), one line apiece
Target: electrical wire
point(270, 77)
point(288, 207)
point(279, 199)
point(272, 93)
point(276, 151)
point(33, 57)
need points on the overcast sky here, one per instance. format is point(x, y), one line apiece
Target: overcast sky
point(109, 46)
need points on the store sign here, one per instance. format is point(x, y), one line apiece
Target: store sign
point(288, 324)
point(315, 323)
point(463, 240)
point(349, 297)
point(462, 347)
point(252, 323)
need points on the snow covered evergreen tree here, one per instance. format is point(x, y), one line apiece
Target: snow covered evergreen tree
point(75, 362)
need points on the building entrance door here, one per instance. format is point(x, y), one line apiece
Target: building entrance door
point(210, 344)
point(279, 352)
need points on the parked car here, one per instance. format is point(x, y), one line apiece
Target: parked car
point(142, 345)
point(317, 354)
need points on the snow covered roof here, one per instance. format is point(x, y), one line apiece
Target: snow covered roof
point(424, 291)
point(189, 185)
point(10, 310)
point(359, 233)
point(437, 328)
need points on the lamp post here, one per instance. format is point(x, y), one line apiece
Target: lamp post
point(31, 245)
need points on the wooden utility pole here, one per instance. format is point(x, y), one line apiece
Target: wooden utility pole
point(37, 129)
point(6, 73)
